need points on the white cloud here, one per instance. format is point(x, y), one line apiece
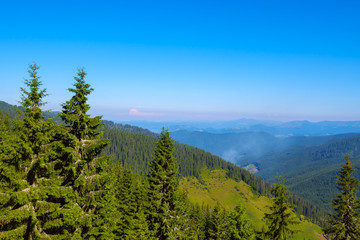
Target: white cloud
point(135, 112)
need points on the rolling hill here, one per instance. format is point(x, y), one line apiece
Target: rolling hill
point(214, 187)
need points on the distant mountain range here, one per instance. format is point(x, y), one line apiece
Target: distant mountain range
point(248, 147)
point(279, 129)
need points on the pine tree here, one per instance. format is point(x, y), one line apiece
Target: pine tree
point(85, 171)
point(240, 226)
point(344, 224)
point(32, 198)
point(281, 215)
point(165, 210)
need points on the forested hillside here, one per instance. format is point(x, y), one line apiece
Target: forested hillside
point(6, 108)
point(135, 151)
point(311, 170)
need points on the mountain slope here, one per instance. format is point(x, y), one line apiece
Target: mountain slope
point(214, 187)
point(311, 170)
point(6, 108)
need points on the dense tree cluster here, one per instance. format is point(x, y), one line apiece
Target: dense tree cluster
point(53, 184)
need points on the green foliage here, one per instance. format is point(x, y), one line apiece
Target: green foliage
point(345, 222)
point(165, 207)
point(126, 128)
point(281, 216)
point(216, 223)
point(8, 109)
point(130, 193)
point(84, 171)
point(240, 226)
point(33, 199)
point(215, 188)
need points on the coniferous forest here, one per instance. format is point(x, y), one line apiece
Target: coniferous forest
point(80, 177)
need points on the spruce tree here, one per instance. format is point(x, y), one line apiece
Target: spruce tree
point(32, 198)
point(240, 226)
point(281, 215)
point(165, 212)
point(344, 224)
point(85, 171)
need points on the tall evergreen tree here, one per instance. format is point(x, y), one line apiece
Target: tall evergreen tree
point(281, 215)
point(32, 198)
point(85, 171)
point(165, 210)
point(344, 224)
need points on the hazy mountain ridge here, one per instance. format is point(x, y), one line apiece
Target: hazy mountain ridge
point(280, 129)
point(245, 148)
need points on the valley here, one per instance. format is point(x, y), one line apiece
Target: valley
point(309, 163)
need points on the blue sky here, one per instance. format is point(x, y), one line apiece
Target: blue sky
point(189, 60)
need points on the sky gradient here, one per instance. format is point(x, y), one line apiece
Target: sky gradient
point(189, 60)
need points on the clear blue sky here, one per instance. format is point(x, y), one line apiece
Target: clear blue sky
point(181, 60)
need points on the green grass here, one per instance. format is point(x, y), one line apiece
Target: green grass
point(214, 187)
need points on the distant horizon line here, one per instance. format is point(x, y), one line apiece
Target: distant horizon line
point(234, 120)
point(187, 119)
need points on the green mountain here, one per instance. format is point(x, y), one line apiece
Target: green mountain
point(6, 108)
point(311, 170)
